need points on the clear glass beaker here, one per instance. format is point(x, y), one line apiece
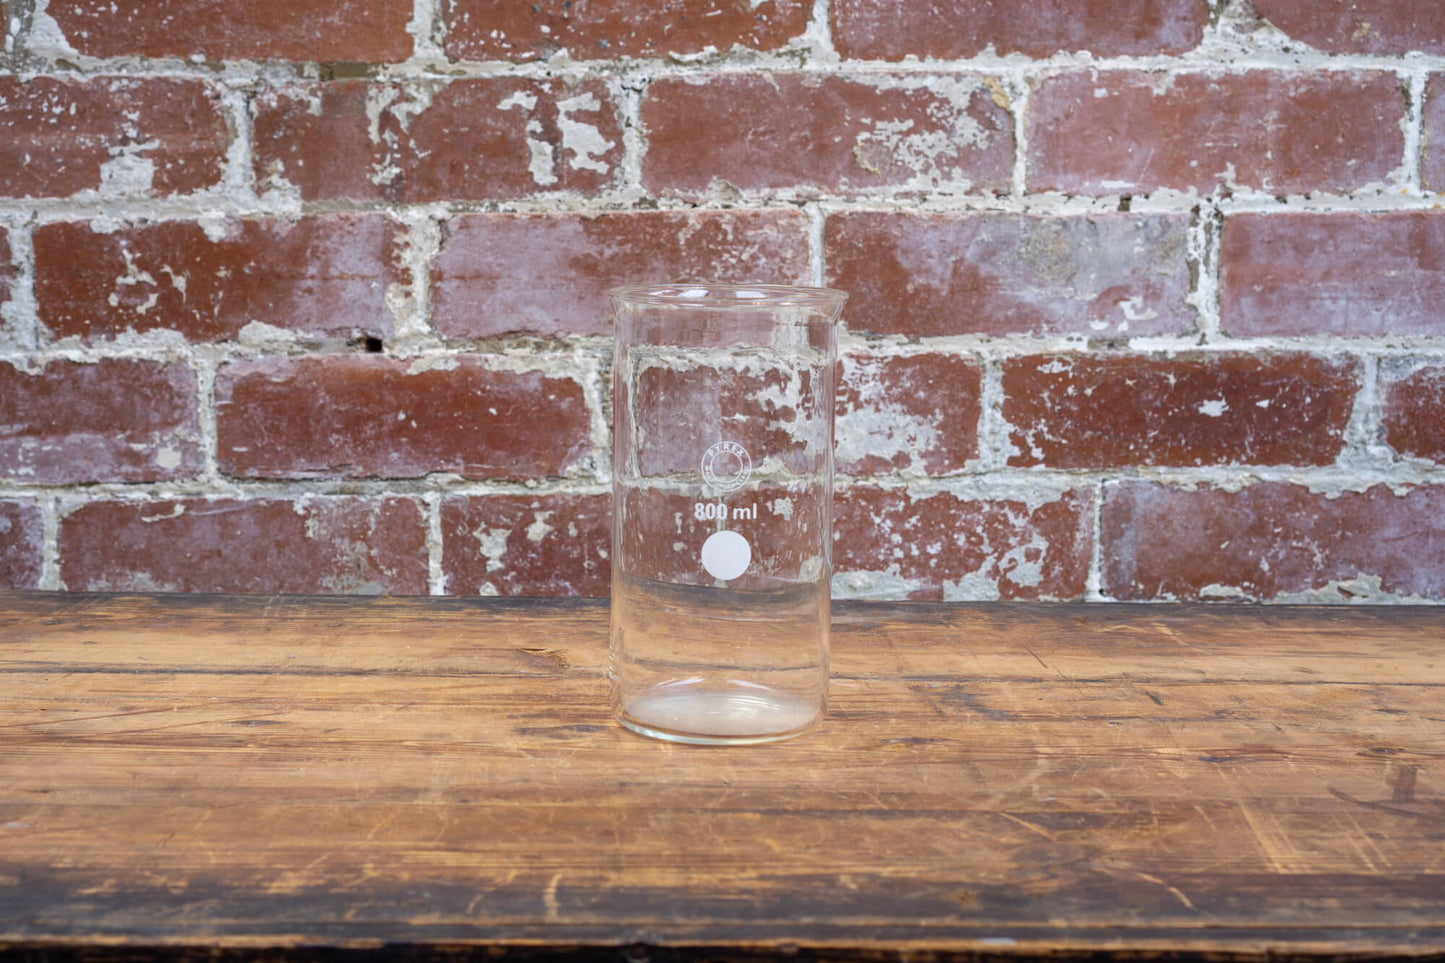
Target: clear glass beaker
point(722, 472)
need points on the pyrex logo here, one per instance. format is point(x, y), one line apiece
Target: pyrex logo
point(726, 466)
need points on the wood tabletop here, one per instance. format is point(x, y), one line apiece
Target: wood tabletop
point(234, 773)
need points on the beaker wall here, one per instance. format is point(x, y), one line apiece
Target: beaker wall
point(722, 509)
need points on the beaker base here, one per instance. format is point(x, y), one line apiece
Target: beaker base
point(741, 714)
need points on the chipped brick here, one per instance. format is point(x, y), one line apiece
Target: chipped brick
point(485, 30)
point(1126, 132)
point(1432, 163)
point(548, 274)
point(1360, 26)
point(810, 134)
point(22, 543)
point(886, 30)
point(526, 544)
point(1413, 413)
point(888, 543)
point(348, 545)
point(1079, 411)
point(317, 276)
point(492, 138)
point(127, 135)
point(363, 31)
point(1272, 541)
point(1343, 273)
point(7, 267)
point(369, 416)
point(916, 414)
point(926, 275)
point(117, 420)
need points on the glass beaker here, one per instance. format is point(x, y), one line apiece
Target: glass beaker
point(722, 473)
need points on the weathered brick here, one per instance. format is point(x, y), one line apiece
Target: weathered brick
point(1360, 26)
point(22, 543)
point(351, 545)
point(7, 267)
point(364, 31)
point(1128, 132)
point(924, 275)
point(809, 134)
point(116, 420)
point(155, 135)
point(1086, 411)
point(954, 29)
point(364, 416)
point(319, 276)
point(486, 30)
point(1413, 413)
point(1343, 273)
point(526, 544)
point(916, 414)
point(1432, 164)
point(548, 274)
point(891, 544)
point(1272, 541)
point(492, 138)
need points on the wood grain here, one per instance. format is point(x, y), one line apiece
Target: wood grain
point(233, 772)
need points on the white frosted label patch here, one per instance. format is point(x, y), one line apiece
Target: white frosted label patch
point(726, 555)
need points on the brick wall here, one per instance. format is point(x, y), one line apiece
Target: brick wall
point(1148, 296)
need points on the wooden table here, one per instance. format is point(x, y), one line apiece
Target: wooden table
point(195, 776)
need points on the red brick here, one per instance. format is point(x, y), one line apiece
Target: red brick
point(7, 267)
point(369, 416)
point(22, 544)
point(925, 275)
point(1118, 132)
point(65, 136)
point(1345, 273)
point(340, 545)
point(365, 31)
point(548, 274)
point(321, 276)
point(1082, 411)
point(1360, 26)
point(1432, 166)
point(811, 134)
point(526, 544)
point(916, 414)
point(889, 543)
point(116, 420)
point(1271, 541)
point(492, 138)
point(954, 29)
point(598, 30)
point(1413, 413)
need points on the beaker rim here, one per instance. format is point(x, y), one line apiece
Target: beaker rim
point(740, 296)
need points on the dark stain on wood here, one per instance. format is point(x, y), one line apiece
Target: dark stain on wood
point(1403, 789)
